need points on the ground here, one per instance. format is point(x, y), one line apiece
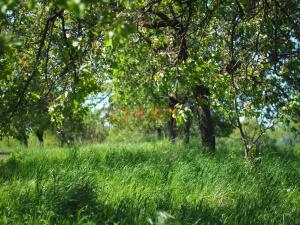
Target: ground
point(149, 183)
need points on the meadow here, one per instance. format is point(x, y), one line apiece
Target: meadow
point(130, 112)
point(149, 182)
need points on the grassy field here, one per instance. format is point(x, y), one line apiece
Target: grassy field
point(149, 183)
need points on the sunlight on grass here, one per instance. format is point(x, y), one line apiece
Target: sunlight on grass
point(146, 183)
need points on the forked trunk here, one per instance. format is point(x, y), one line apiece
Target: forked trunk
point(246, 152)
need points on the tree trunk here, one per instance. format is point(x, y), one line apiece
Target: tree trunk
point(40, 135)
point(247, 152)
point(159, 133)
point(187, 130)
point(172, 131)
point(205, 122)
point(172, 121)
point(206, 127)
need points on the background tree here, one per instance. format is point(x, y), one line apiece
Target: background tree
point(235, 58)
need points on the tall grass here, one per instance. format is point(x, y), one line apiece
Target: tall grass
point(148, 183)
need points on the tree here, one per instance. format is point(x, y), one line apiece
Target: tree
point(260, 43)
point(51, 72)
point(235, 58)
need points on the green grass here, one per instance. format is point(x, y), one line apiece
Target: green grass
point(149, 183)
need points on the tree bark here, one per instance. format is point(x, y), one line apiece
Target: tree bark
point(40, 135)
point(247, 151)
point(172, 131)
point(205, 121)
point(172, 121)
point(206, 127)
point(187, 130)
point(159, 133)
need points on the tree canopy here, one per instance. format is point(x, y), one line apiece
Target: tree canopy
point(222, 62)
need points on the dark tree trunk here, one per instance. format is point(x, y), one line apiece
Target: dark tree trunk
point(187, 130)
point(206, 127)
point(172, 121)
point(159, 133)
point(172, 131)
point(40, 135)
point(205, 122)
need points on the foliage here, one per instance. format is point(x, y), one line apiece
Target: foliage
point(55, 66)
point(242, 53)
point(235, 59)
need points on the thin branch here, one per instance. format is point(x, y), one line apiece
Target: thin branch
point(21, 94)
